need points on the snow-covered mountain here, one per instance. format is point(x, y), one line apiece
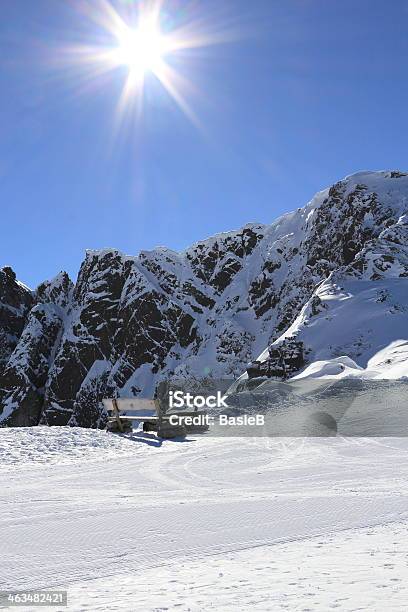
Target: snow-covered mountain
point(331, 275)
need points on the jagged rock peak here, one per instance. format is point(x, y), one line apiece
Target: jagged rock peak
point(58, 290)
point(9, 273)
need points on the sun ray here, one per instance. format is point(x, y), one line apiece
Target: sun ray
point(105, 17)
point(173, 83)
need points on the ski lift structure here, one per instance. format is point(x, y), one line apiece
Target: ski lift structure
point(283, 361)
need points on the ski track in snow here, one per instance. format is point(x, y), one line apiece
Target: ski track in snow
point(99, 513)
point(355, 570)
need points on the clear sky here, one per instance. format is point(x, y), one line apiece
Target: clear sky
point(298, 95)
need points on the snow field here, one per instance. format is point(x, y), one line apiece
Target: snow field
point(225, 524)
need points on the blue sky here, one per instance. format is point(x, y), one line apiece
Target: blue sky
point(307, 92)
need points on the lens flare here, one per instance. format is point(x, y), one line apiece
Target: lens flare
point(141, 46)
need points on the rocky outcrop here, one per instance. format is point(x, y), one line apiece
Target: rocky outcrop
point(15, 303)
point(23, 379)
point(131, 322)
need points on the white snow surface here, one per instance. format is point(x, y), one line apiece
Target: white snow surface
point(127, 523)
point(360, 331)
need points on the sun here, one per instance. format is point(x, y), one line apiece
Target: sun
point(142, 49)
point(145, 43)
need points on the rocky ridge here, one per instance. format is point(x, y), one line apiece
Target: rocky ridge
point(130, 322)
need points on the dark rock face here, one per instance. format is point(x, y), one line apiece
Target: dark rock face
point(88, 334)
point(25, 376)
point(355, 216)
point(15, 303)
point(131, 322)
point(23, 380)
point(385, 256)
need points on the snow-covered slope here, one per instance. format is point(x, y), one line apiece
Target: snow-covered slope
point(361, 329)
point(130, 322)
point(355, 324)
point(230, 524)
